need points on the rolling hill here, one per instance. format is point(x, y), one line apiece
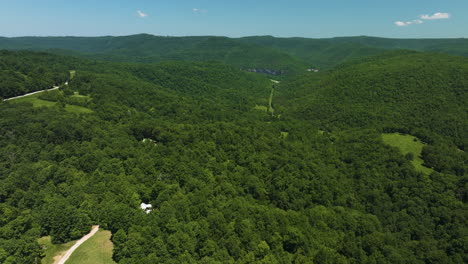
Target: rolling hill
point(291, 55)
point(417, 91)
point(362, 163)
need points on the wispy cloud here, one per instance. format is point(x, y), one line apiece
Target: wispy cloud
point(141, 14)
point(437, 15)
point(198, 10)
point(407, 23)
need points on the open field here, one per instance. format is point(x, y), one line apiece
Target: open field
point(284, 135)
point(34, 100)
point(96, 250)
point(52, 250)
point(78, 95)
point(408, 144)
point(261, 108)
point(270, 102)
point(43, 103)
point(77, 109)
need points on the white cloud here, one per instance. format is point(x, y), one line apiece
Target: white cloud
point(407, 23)
point(400, 23)
point(198, 10)
point(141, 14)
point(435, 16)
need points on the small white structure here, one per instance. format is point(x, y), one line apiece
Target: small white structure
point(148, 208)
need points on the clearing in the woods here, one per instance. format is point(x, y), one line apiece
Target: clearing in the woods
point(96, 250)
point(408, 144)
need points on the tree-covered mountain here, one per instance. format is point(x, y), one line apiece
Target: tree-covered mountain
point(322, 53)
point(311, 182)
point(147, 48)
point(290, 55)
point(420, 91)
point(333, 51)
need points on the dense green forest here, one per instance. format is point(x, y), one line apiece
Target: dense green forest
point(311, 182)
point(420, 92)
point(24, 72)
point(287, 55)
point(333, 51)
point(147, 48)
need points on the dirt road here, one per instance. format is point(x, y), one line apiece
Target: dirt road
point(24, 95)
point(61, 259)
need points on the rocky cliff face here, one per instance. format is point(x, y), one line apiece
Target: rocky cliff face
point(267, 71)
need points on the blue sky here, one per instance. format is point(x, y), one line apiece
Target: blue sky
point(303, 18)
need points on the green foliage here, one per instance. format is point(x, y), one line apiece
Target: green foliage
point(409, 146)
point(231, 184)
point(414, 93)
point(291, 55)
point(24, 72)
point(326, 53)
point(148, 48)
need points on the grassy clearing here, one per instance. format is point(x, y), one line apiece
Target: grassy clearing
point(78, 95)
point(408, 144)
point(284, 135)
point(36, 102)
point(52, 250)
point(261, 108)
point(72, 75)
point(77, 109)
point(96, 250)
point(270, 102)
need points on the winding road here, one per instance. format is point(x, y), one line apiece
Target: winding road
point(62, 259)
point(24, 95)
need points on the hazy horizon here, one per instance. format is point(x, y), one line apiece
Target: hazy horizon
point(308, 19)
point(246, 36)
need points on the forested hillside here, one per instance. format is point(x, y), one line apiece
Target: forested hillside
point(147, 48)
point(333, 51)
point(404, 89)
point(24, 72)
point(312, 182)
point(322, 53)
point(287, 55)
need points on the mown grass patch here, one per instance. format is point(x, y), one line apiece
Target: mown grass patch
point(408, 144)
point(52, 250)
point(96, 250)
point(284, 135)
point(36, 102)
point(78, 95)
point(261, 108)
point(270, 102)
point(77, 109)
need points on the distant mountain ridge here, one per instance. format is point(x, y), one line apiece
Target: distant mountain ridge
point(264, 52)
